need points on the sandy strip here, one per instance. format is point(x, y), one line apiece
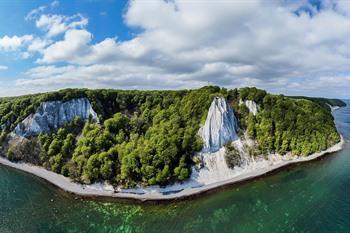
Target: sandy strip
point(87, 191)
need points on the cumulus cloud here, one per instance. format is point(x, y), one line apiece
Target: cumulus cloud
point(100, 76)
point(2, 67)
point(14, 42)
point(54, 25)
point(72, 47)
point(76, 48)
point(44, 71)
point(38, 45)
point(283, 46)
point(33, 14)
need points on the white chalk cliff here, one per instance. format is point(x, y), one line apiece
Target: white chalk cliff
point(220, 126)
point(52, 115)
point(252, 106)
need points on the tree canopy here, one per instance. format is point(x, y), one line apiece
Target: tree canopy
point(150, 137)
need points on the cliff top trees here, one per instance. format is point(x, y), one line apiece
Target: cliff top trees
point(297, 125)
point(149, 137)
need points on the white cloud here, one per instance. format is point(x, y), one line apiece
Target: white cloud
point(73, 47)
point(38, 45)
point(33, 14)
point(14, 42)
point(282, 46)
point(45, 71)
point(76, 48)
point(25, 55)
point(98, 76)
point(54, 25)
point(2, 67)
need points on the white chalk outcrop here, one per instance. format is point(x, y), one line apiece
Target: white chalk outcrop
point(171, 192)
point(333, 108)
point(252, 106)
point(52, 115)
point(214, 168)
point(220, 126)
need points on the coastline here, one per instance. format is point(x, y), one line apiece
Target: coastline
point(67, 185)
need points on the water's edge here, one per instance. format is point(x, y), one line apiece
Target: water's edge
point(66, 185)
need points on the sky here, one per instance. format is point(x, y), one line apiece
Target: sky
point(282, 46)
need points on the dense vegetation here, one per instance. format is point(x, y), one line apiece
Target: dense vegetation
point(323, 101)
point(301, 126)
point(145, 137)
point(149, 137)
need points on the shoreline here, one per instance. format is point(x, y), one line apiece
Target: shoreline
point(68, 186)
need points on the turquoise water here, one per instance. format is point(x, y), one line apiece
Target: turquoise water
point(312, 197)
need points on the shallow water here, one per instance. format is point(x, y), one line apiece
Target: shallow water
point(312, 197)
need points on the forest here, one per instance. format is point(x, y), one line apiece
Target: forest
point(301, 125)
point(150, 137)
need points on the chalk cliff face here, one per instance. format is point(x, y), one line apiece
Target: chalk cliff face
point(220, 126)
point(214, 168)
point(252, 106)
point(53, 115)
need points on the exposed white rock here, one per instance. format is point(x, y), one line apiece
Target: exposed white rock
point(215, 173)
point(252, 106)
point(214, 168)
point(220, 126)
point(54, 114)
point(259, 167)
point(333, 108)
point(100, 186)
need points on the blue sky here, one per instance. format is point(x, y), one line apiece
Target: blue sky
point(283, 46)
point(105, 20)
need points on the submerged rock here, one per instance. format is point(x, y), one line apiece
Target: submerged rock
point(220, 126)
point(53, 115)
